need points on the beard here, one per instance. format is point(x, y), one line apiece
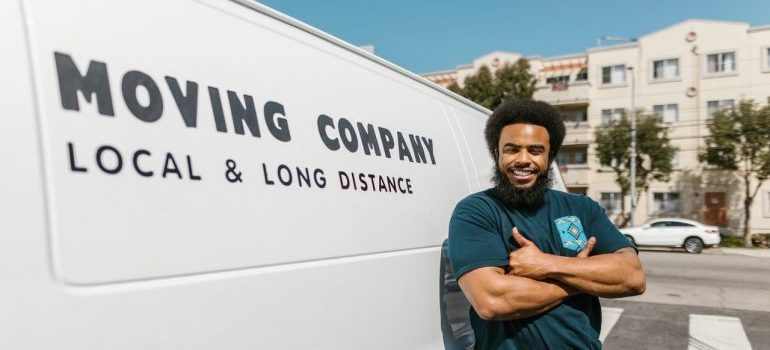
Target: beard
point(529, 198)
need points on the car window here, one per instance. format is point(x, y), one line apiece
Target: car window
point(660, 224)
point(681, 224)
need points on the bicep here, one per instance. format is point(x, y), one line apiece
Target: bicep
point(482, 285)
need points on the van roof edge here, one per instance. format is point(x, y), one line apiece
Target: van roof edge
point(356, 50)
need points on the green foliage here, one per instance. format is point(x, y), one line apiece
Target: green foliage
point(515, 82)
point(509, 82)
point(731, 242)
point(739, 141)
point(481, 88)
point(654, 152)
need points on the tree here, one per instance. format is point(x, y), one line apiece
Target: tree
point(654, 154)
point(515, 82)
point(739, 141)
point(481, 88)
point(509, 82)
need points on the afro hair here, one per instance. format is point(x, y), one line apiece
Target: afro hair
point(525, 111)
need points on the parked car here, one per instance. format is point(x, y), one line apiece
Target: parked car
point(671, 232)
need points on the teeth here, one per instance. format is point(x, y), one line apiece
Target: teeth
point(521, 172)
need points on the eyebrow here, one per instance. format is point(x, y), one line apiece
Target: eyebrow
point(533, 146)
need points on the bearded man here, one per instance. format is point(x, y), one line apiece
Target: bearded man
point(533, 261)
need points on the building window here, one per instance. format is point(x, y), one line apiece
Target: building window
point(665, 69)
point(669, 113)
point(767, 204)
point(675, 160)
point(665, 202)
point(611, 201)
point(721, 62)
point(713, 106)
point(559, 83)
point(614, 74)
point(582, 75)
point(609, 115)
point(574, 117)
point(767, 58)
point(573, 156)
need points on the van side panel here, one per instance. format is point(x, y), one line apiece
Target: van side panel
point(183, 174)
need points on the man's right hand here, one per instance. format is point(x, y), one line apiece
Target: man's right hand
point(529, 261)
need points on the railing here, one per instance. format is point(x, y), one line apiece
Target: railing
point(563, 92)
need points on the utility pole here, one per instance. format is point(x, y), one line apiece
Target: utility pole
point(633, 146)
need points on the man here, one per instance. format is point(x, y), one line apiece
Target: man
point(533, 261)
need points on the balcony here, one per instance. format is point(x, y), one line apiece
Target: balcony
point(576, 175)
point(563, 93)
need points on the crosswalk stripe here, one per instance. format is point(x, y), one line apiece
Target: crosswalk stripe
point(610, 316)
point(711, 332)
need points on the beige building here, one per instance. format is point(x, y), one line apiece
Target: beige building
point(684, 72)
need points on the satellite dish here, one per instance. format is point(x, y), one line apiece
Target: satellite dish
point(692, 91)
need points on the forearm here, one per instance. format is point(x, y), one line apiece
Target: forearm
point(520, 297)
point(606, 275)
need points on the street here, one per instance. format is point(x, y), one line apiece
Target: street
point(706, 301)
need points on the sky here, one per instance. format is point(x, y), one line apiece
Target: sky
point(430, 35)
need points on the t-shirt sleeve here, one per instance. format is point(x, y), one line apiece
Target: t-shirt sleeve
point(608, 238)
point(474, 240)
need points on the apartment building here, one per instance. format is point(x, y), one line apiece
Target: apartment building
point(684, 73)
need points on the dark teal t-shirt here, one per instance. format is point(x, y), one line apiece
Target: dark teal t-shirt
point(480, 236)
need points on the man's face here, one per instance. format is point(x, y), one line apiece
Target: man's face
point(523, 154)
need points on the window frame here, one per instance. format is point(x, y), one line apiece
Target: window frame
point(710, 115)
point(570, 150)
point(665, 108)
point(678, 76)
point(583, 72)
point(618, 201)
point(611, 83)
point(612, 114)
point(764, 62)
point(707, 74)
point(766, 206)
point(666, 195)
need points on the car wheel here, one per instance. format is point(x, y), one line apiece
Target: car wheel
point(631, 239)
point(693, 245)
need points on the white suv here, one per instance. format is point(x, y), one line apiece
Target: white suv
point(671, 232)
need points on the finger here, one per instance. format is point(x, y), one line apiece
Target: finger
point(519, 238)
point(588, 248)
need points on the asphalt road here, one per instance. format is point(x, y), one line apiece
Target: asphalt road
point(695, 302)
point(726, 281)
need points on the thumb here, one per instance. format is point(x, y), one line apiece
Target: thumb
point(588, 248)
point(520, 239)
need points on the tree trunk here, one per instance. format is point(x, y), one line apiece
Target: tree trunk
point(747, 212)
point(624, 216)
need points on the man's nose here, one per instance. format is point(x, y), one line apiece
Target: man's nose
point(523, 158)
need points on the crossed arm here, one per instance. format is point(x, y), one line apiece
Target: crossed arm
point(537, 282)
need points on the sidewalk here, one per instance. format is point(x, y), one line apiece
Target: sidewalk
point(755, 252)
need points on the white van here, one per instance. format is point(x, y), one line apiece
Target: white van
point(212, 174)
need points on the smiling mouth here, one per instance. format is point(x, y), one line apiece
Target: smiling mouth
point(522, 174)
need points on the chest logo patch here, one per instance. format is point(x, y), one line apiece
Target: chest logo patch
point(571, 232)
